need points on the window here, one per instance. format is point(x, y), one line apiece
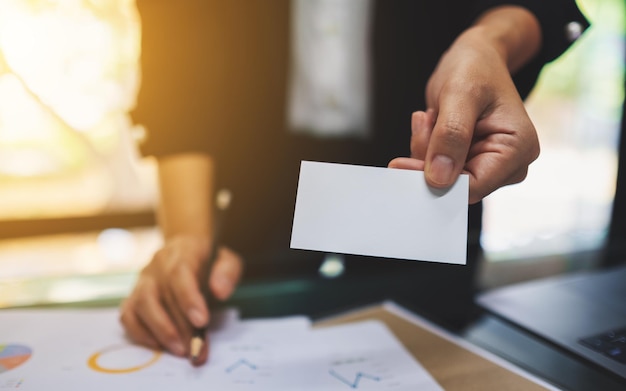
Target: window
point(64, 100)
point(562, 210)
point(69, 73)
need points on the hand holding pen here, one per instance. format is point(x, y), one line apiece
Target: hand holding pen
point(168, 302)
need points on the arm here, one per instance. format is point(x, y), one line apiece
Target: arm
point(476, 121)
point(511, 30)
point(166, 302)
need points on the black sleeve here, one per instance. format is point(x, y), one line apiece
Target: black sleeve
point(559, 21)
point(212, 70)
point(182, 76)
point(556, 18)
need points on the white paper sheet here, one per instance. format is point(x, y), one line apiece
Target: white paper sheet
point(381, 212)
point(74, 350)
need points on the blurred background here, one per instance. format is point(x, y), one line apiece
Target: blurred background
point(77, 200)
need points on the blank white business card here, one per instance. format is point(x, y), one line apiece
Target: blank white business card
point(381, 212)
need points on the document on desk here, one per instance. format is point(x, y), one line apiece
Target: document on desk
point(380, 212)
point(74, 350)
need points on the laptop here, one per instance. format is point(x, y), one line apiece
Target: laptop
point(583, 312)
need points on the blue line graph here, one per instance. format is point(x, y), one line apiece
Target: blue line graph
point(241, 362)
point(357, 378)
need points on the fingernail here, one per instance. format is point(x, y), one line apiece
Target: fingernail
point(196, 318)
point(419, 125)
point(177, 348)
point(418, 122)
point(440, 170)
point(225, 286)
point(429, 118)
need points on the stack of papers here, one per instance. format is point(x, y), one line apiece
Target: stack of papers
point(87, 349)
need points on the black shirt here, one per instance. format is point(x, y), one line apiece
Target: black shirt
point(214, 79)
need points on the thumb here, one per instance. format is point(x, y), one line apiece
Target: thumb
point(225, 274)
point(449, 143)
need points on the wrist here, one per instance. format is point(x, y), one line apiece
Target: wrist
point(198, 244)
point(513, 31)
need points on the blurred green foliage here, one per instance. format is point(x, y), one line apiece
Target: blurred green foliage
point(594, 66)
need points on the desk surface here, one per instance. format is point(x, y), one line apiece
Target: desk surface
point(323, 298)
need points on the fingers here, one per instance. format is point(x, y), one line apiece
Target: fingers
point(187, 296)
point(490, 172)
point(135, 329)
point(147, 321)
point(495, 151)
point(225, 273)
point(179, 319)
point(422, 124)
point(501, 157)
point(439, 146)
point(406, 163)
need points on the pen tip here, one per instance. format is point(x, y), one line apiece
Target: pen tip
point(196, 348)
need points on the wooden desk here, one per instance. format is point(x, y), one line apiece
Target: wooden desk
point(454, 366)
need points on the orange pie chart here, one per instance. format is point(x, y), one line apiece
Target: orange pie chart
point(12, 356)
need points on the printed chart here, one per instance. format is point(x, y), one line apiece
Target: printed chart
point(247, 363)
point(272, 354)
point(122, 358)
point(12, 356)
point(357, 371)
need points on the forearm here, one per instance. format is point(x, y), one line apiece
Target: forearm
point(512, 30)
point(186, 188)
